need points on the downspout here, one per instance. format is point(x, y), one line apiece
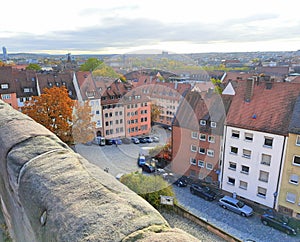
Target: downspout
point(275, 194)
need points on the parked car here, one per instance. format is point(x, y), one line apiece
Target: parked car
point(142, 140)
point(171, 178)
point(149, 139)
point(236, 206)
point(155, 139)
point(203, 191)
point(148, 168)
point(108, 141)
point(141, 160)
point(277, 222)
point(117, 141)
point(135, 140)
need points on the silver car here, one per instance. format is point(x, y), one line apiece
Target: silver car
point(236, 206)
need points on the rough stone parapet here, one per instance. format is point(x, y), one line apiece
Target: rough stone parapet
point(50, 193)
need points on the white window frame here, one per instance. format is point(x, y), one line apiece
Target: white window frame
point(243, 187)
point(266, 162)
point(290, 197)
point(268, 138)
point(194, 135)
point(210, 152)
point(193, 161)
point(260, 194)
point(296, 164)
point(211, 139)
point(230, 183)
point(294, 179)
point(263, 174)
point(4, 86)
point(248, 137)
point(232, 168)
point(201, 163)
point(193, 148)
point(203, 153)
point(202, 122)
point(201, 135)
point(247, 153)
point(213, 124)
point(245, 172)
point(209, 166)
point(235, 134)
point(298, 140)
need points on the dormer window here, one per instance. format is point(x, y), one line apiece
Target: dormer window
point(202, 122)
point(4, 86)
point(50, 84)
point(57, 84)
point(27, 89)
point(213, 124)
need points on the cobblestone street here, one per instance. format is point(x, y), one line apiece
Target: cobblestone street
point(122, 159)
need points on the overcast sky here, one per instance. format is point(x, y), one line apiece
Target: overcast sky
point(118, 27)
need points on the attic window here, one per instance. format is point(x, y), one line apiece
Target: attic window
point(202, 122)
point(27, 89)
point(4, 86)
point(50, 84)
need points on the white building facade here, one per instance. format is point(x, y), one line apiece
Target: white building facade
point(252, 163)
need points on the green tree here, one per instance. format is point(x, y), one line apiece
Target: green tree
point(52, 109)
point(91, 64)
point(33, 66)
point(104, 70)
point(83, 129)
point(217, 83)
point(148, 187)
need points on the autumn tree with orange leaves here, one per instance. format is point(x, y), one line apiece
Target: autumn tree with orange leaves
point(83, 128)
point(53, 109)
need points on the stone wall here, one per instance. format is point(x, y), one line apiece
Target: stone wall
point(50, 193)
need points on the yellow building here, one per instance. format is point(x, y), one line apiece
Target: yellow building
point(289, 193)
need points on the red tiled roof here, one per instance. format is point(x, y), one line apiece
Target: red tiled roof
point(269, 110)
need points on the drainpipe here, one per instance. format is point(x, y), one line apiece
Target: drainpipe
point(275, 194)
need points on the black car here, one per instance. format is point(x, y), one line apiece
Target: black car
point(277, 222)
point(108, 141)
point(180, 182)
point(203, 191)
point(142, 140)
point(148, 168)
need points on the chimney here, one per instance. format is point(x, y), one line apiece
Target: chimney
point(249, 89)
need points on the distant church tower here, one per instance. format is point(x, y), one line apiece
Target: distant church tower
point(5, 56)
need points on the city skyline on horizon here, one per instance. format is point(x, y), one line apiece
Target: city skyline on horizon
point(141, 26)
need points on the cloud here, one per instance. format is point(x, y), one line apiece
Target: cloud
point(121, 32)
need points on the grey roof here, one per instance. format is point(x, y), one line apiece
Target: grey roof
point(294, 126)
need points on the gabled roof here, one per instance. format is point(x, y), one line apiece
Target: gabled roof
point(294, 126)
point(198, 106)
point(269, 109)
point(87, 85)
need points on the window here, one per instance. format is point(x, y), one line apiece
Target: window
point(194, 135)
point(210, 153)
point(265, 159)
point(263, 176)
point(268, 142)
point(201, 150)
point(232, 165)
point(106, 115)
point(202, 137)
point(209, 166)
point(247, 153)
point(243, 185)
point(298, 140)
point(193, 161)
point(294, 179)
point(213, 124)
point(231, 181)
point(194, 148)
point(290, 197)
point(245, 169)
point(201, 163)
point(235, 134)
point(296, 160)
point(202, 122)
point(248, 137)
point(4, 86)
point(233, 150)
point(261, 192)
point(211, 139)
